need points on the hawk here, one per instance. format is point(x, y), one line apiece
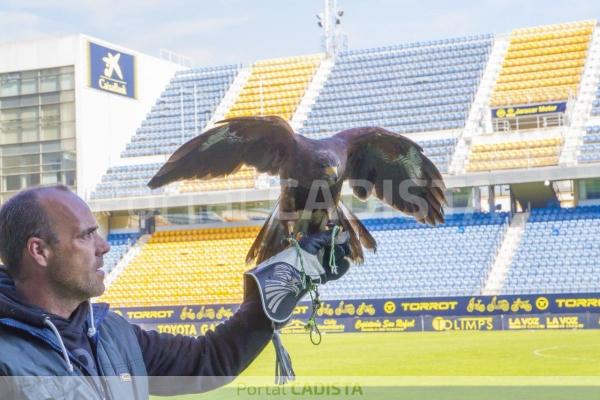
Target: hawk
point(372, 160)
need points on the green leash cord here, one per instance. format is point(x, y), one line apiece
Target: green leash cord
point(313, 289)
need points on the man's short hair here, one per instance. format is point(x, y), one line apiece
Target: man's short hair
point(21, 218)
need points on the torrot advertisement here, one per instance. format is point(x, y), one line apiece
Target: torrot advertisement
point(111, 70)
point(556, 311)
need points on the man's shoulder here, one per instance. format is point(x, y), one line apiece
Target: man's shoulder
point(18, 346)
point(103, 314)
point(115, 320)
point(8, 333)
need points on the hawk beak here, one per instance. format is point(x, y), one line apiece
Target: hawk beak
point(332, 173)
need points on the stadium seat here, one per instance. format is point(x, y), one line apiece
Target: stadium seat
point(415, 260)
point(558, 252)
point(275, 87)
point(514, 154)
point(179, 267)
point(590, 148)
point(543, 65)
point(187, 266)
point(408, 88)
point(120, 243)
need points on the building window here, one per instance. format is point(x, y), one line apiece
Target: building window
point(13, 182)
point(37, 129)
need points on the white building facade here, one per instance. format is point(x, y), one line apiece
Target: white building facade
point(68, 106)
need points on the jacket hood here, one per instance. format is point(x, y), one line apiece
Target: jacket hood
point(14, 307)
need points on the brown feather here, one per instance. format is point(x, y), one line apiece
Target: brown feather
point(260, 142)
point(357, 226)
point(388, 160)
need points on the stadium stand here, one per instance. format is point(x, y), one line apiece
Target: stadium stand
point(514, 154)
point(119, 244)
point(407, 88)
point(558, 253)
point(182, 111)
point(543, 64)
point(127, 181)
point(423, 86)
point(192, 266)
point(416, 260)
point(596, 103)
point(275, 87)
point(590, 149)
point(179, 267)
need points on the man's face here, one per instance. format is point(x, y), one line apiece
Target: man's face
point(74, 262)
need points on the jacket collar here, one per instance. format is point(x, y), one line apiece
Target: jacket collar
point(13, 307)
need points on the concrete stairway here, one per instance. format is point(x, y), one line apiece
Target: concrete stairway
point(312, 92)
point(230, 97)
point(510, 244)
point(579, 109)
point(477, 115)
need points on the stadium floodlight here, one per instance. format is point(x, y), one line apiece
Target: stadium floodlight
point(338, 19)
point(320, 20)
point(329, 20)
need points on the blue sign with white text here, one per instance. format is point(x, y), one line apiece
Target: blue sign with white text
point(111, 70)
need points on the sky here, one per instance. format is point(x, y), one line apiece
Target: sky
point(241, 31)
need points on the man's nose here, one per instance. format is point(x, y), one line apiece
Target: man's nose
point(104, 247)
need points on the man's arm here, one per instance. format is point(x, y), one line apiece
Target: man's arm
point(217, 356)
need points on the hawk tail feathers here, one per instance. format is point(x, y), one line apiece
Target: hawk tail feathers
point(359, 235)
point(270, 239)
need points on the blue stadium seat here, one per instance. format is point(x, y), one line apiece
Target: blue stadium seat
point(120, 243)
point(182, 111)
point(590, 149)
point(415, 260)
point(558, 252)
point(406, 88)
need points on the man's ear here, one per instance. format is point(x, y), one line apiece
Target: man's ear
point(38, 250)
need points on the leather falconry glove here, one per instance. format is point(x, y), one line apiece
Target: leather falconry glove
point(280, 278)
point(284, 279)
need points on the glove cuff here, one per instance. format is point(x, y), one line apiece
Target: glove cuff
point(279, 282)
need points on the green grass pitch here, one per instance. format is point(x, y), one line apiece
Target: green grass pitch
point(436, 365)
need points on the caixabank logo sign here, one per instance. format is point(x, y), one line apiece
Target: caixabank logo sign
point(111, 70)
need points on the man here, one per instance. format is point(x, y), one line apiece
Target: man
point(54, 343)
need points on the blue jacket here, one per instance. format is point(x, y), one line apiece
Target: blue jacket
point(133, 363)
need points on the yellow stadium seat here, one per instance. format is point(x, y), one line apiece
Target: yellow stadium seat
point(543, 64)
point(182, 270)
point(514, 154)
point(275, 87)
